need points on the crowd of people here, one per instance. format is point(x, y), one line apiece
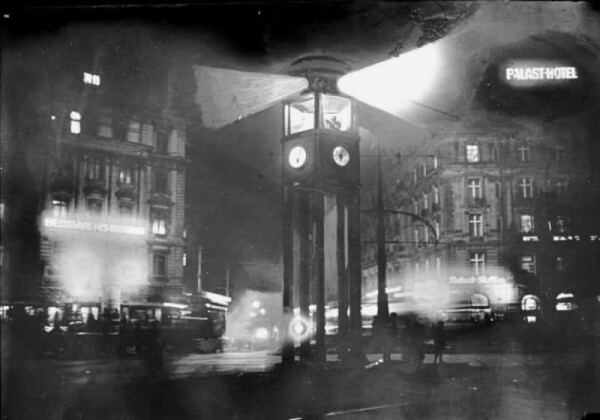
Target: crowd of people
point(408, 335)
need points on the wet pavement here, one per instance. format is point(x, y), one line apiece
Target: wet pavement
point(482, 378)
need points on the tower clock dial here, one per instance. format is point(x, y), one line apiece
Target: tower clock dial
point(297, 157)
point(341, 156)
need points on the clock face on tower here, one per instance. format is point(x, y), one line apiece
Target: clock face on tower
point(297, 157)
point(341, 156)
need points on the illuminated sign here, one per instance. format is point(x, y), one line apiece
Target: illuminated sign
point(530, 239)
point(477, 280)
point(559, 238)
point(93, 227)
point(541, 73)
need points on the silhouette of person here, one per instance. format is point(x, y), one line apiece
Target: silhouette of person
point(439, 342)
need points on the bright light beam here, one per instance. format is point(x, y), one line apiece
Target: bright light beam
point(393, 84)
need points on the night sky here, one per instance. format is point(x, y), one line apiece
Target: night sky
point(233, 186)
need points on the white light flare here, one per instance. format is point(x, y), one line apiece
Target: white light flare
point(392, 84)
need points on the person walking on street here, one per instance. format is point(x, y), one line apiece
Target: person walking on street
point(439, 342)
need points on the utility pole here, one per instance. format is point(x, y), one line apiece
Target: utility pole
point(382, 300)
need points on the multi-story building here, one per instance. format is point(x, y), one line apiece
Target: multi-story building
point(111, 194)
point(510, 217)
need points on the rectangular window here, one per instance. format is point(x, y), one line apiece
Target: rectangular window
point(337, 113)
point(133, 131)
point(475, 225)
point(75, 122)
point(95, 169)
point(477, 261)
point(425, 201)
point(526, 187)
point(498, 189)
point(426, 235)
point(184, 259)
point(436, 195)
point(495, 154)
point(148, 134)
point(105, 128)
point(301, 114)
point(424, 169)
point(438, 266)
point(559, 154)
point(159, 224)
point(416, 236)
point(560, 264)
point(560, 186)
point(524, 153)
point(474, 186)
point(162, 143)
point(159, 265)
point(527, 223)
point(161, 181)
point(437, 230)
point(59, 209)
point(91, 79)
point(473, 153)
point(126, 175)
point(528, 264)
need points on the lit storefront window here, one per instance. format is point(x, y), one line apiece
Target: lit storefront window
point(528, 264)
point(526, 223)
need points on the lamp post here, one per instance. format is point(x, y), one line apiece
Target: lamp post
point(382, 298)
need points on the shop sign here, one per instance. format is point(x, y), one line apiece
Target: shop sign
point(477, 280)
point(93, 226)
point(560, 238)
point(541, 73)
point(530, 238)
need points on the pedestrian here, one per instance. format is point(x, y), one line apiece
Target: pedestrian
point(439, 342)
point(392, 334)
point(419, 337)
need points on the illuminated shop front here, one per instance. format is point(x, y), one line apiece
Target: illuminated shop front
point(96, 260)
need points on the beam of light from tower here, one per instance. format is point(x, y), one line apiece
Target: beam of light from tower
point(225, 96)
point(397, 83)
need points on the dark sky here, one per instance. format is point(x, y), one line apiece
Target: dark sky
point(235, 175)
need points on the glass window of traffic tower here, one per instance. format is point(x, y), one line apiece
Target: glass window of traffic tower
point(323, 111)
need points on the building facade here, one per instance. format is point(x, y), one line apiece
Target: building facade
point(110, 175)
point(510, 219)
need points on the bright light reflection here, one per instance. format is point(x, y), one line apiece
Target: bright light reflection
point(391, 84)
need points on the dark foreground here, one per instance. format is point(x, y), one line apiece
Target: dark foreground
point(493, 384)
